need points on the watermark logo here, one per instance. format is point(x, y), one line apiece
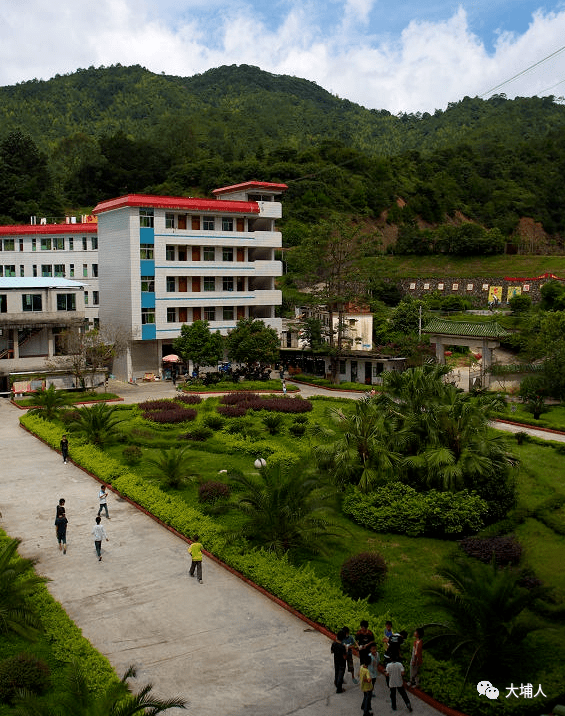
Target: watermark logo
point(485, 688)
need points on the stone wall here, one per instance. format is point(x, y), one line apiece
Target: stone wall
point(479, 290)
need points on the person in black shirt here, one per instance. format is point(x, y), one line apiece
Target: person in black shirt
point(339, 650)
point(364, 637)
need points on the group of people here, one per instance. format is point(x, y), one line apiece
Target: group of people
point(365, 643)
point(98, 531)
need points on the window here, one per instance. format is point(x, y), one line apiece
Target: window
point(171, 315)
point(21, 244)
point(31, 302)
point(46, 244)
point(228, 313)
point(46, 270)
point(209, 283)
point(59, 243)
point(342, 367)
point(146, 251)
point(210, 313)
point(3, 303)
point(86, 298)
point(72, 270)
point(95, 298)
point(34, 244)
point(147, 315)
point(59, 270)
point(85, 270)
point(171, 284)
point(227, 283)
point(148, 284)
point(67, 301)
point(209, 253)
point(227, 254)
point(95, 270)
point(8, 244)
point(84, 244)
point(72, 243)
point(1, 270)
point(209, 223)
point(170, 253)
point(169, 221)
point(146, 220)
point(10, 270)
point(22, 271)
point(34, 271)
point(227, 223)
point(94, 243)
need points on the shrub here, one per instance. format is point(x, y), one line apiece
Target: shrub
point(362, 575)
point(23, 671)
point(132, 454)
point(214, 421)
point(399, 508)
point(176, 414)
point(198, 434)
point(211, 492)
point(297, 429)
point(232, 411)
point(272, 422)
point(505, 550)
point(301, 419)
point(188, 399)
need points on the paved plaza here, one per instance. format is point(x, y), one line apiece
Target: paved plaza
point(222, 645)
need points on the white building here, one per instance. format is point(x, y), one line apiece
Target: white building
point(165, 261)
point(34, 313)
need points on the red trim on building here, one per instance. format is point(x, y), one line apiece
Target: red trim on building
point(26, 229)
point(251, 185)
point(175, 202)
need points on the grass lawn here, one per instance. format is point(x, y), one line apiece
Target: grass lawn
point(72, 398)
point(229, 386)
point(325, 383)
point(554, 418)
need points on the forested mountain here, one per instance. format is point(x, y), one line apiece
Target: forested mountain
point(76, 139)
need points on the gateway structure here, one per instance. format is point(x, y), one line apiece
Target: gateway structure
point(165, 261)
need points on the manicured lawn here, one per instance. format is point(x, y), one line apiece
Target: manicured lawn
point(229, 386)
point(554, 418)
point(72, 397)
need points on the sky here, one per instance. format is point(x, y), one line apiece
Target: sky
point(398, 55)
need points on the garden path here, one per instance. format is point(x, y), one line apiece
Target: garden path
point(222, 645)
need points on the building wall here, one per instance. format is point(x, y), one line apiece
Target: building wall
point(475, 289)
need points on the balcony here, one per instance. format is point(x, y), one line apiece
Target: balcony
point(25, 319)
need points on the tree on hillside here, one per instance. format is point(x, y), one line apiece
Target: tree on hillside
point(198, 344)
point(253, 343)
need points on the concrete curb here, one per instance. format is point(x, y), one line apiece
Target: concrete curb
point(531, 427)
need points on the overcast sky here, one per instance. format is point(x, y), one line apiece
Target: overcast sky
point(400, 55)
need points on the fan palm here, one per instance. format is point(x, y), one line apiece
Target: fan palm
point(49, 402)
point(284, 509)
point(97, 423)
point(483, 605)
point(75, 698)
point(17, 581)
point(172, 464)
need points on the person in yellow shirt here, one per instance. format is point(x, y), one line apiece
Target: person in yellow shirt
point(366, 687)
point(195, 551)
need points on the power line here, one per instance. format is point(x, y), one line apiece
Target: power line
point(523, 72)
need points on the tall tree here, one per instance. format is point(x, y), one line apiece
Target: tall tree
point(198, 344)
point(252, 342)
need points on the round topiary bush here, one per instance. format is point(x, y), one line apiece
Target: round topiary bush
point(362, 575)
point(23, 671)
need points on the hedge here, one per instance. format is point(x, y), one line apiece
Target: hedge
point(401, 509)
point(313, 596)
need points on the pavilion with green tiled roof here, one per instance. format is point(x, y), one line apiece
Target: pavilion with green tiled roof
point(444, 333)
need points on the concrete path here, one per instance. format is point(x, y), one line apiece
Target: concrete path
point(222, 645)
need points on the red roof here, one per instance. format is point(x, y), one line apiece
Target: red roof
point(176, 202)
point(251, 185)
point(25, 229)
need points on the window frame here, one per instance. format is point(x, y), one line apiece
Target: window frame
point(36, 299)
point(209, 284)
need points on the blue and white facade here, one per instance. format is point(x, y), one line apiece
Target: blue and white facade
point(166, 261)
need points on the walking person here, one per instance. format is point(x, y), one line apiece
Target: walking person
point(339, 651)
point(417, 657)
point(61, 507)
point(373, 664)
point(350, 643)
point(284, 387)
point(61, 529)
point(366, 686)
point(99, 534)
point(195, 551)
point(395, 674)
point(64, 444)
point(364, 637)
point(102, 498)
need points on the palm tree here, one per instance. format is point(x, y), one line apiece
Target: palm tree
point(483, 604)
point(97, 423)
point(49, 402)
point(284, 509)
point(17, 581)
point(172, 464)
point(76, 698)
